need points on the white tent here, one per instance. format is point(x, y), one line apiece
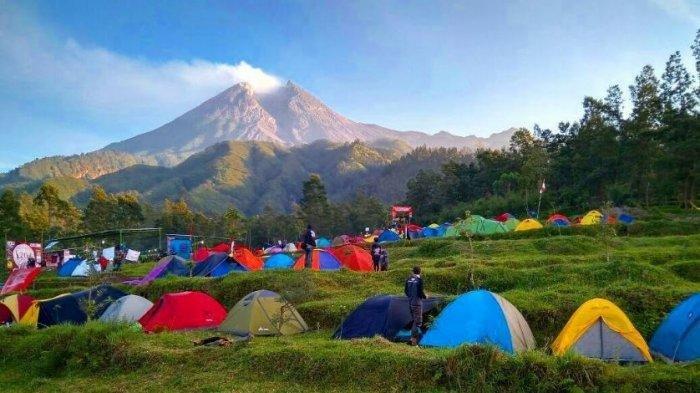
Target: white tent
point(127, 309)
point(290, 247)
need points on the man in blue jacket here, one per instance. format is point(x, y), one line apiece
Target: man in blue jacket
point(414, 291)
point(309, 245)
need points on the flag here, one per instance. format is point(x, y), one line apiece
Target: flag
point(543, 187)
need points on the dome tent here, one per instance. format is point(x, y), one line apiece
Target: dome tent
point(263, 313)
point(678, 337)
point(183, 311)
point(71, 307)
point(528, 225)
point(591, 218)
point(14, 307)
point(388, 236)
point(382, 315)
point(320, 260)
point(279, 261)
point(353, 257)
point(480, 317)
point(128, 309)
point(600, 329)
point(170, 265)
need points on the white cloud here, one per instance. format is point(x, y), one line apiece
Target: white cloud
point(681, 9)
point(94, 79)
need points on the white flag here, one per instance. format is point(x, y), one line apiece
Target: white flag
point(543, 188)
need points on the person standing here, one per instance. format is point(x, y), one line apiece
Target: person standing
point(309, 245)
point(376, 254)
point(415, 294)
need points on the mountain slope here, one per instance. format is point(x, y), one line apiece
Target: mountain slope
point(251, 175)
point(288, 116)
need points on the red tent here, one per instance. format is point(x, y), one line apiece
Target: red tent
point(19, 280)
point(503, 217)
point(222, 247)
point(246, 258)
point(353, 257)
point(183, 311)
point(201, 254)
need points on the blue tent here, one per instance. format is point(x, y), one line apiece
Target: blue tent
point(388, 236)
point(182, 247)
point(382, 315)
point(625, 219)
point(433, 232)
point(678, 337)
point(322, 242)
point(279, 261)
point(70, 308)
point(560, 222)
point(68, 266)
point(216, 265)
point(480, 317)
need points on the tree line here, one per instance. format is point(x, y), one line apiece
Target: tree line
point(646, 157)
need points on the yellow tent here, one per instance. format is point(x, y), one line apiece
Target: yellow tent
point(434, 226)
point(591, 218)
point(600, 329)
point(528, 224)
point(369, 238)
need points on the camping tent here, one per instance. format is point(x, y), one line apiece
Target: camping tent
point(322, 242)
point(503, 217)
point(382, 315)
point(128, 309)
point(600, 329)
point(247, 259)
point(183, 311)
point(289, 247)
point(625, 218)
point(320, 260)
point(170, 265)
point(279, 261)
point(388, 236)
point(71, 307)
point(480, 317)
point(216, 265)
point(263, 313)
point(19, 280)
point(414, 231)
point(489, 227)
point(86, 268)
point(591, 218)
point(353, 257)
point(528, 225)
point(201, 254)
point(340, 240)
point(678, 337)
point(66, 269)
point(558, 220)
point(511, 224)
point(273, 250)
point(433, 230)
point(14, 307)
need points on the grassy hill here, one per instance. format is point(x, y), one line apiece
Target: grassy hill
point(546, 274)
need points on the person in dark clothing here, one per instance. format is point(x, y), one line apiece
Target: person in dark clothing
point(415, 294)
point(384, 260)
point(376, 254)
point(309, 245)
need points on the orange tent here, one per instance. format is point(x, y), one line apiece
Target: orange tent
point(353, 257)
point(246, 258)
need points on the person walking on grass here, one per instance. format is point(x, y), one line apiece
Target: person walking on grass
point(309, 245)
point(415, 294)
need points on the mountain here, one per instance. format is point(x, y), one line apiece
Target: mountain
point(289, 116)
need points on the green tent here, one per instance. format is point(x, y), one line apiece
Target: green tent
point(489, 227)
point(511, 224)
point(263, 313)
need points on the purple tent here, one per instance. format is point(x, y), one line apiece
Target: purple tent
point(170, 265)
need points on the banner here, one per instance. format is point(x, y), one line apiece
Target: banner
point(20, 253)
point(132, 255)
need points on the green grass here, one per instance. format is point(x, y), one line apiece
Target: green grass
point(546, 275)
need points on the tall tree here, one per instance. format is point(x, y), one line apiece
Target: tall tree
point(314, 207)
point(10, 220)
point(677, 94)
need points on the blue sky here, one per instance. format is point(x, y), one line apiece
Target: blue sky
point(77, 75)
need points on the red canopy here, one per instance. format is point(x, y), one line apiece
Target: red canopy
point(353, 257)
point(19, 280)
point(400, 211)
point(183, 311)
